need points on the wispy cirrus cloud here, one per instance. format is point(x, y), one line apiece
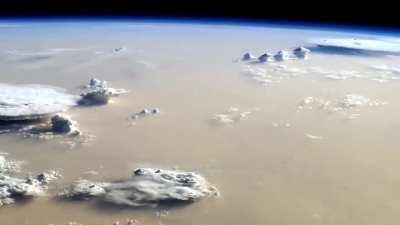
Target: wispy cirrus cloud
point(10, 25)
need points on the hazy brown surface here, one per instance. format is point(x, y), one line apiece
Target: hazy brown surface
point(265, 174)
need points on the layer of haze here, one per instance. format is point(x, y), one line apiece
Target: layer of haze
point(266, 167)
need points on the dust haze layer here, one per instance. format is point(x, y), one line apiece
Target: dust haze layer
point(310, 141)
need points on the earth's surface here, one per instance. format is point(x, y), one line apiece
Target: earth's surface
point(305, 141)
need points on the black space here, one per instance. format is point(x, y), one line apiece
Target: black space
point(376, 13)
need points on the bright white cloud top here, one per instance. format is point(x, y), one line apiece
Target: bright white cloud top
point(27, 102)
point(391, 45)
